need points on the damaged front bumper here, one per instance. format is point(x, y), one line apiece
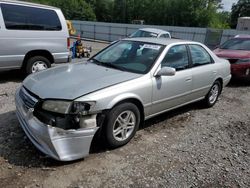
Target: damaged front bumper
point(62, 145)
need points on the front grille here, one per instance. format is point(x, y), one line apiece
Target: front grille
point(27, 99)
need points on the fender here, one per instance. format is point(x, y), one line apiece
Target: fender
point(122, 97)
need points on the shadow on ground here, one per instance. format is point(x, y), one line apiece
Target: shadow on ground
point(235, 83)
point(11, 76)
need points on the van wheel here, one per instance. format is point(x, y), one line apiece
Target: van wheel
point(213, 94)
point(37, 64)
point(122, 124)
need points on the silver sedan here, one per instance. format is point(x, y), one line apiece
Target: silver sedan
point(111, 94)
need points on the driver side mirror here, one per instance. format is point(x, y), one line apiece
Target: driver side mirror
point(166, 71)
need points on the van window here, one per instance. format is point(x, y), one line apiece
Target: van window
point(18, 17)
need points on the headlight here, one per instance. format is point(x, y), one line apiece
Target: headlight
point(62, 107)
point(81, 108)
point(67, 107)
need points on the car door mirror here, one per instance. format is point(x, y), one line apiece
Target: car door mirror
point(166, 71)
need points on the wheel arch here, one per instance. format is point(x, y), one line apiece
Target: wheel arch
point(132, 99)
point(33, 53)
point(221, 82)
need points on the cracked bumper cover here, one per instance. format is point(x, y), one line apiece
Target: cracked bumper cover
point(62, 145)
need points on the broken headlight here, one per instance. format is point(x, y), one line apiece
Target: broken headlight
point(81, 108)
point(67, 107)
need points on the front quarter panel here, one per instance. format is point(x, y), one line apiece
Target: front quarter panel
point(139, 89)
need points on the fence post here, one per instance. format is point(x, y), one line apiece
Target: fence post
point(110, 33)
point(81, 31)
point(94, 31)
point(194, 35)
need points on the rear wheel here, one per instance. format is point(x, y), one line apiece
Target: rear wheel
point(213, 94)
point(122, 124)
point(37, 64)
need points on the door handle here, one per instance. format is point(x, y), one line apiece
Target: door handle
point(214, 72)
point(188, 79)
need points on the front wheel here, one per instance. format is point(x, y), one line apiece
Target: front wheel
point(213, 94)
point(122, 124)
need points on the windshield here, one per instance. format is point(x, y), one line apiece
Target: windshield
point(131, 56)
point(141, 33)
point(237, 44)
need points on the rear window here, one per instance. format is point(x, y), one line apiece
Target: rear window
point(29, 18)
point(141, 33)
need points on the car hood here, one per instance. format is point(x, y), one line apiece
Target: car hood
point(75, 80)
point(232, 54)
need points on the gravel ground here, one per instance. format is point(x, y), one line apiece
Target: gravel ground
point(188, 147)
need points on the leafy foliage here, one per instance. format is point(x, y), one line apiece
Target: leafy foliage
point(193, 13)
point(72, 9)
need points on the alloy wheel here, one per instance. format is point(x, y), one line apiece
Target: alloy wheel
point(124, 125)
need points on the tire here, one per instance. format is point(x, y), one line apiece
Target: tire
point(36, 64)
point(213, 94)
point(118, 130)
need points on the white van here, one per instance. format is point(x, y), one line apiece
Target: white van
point(32, 36)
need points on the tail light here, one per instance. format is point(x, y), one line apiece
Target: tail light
point(68, 43)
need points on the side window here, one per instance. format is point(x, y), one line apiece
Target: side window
point(18, 17)
point(199, 55)
point(177, 57)
point(164, 36)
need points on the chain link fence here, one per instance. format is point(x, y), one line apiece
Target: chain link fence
point(109, 32)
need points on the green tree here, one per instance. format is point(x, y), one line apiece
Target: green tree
point(73, 9)
point(221, 20)
point(190, 13)
point(104, 10)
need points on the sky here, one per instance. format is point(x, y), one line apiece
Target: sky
point(228, 4)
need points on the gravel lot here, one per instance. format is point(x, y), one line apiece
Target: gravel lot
point(188, 147)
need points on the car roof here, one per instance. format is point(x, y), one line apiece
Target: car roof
point(153, 30)
point(27, 3)
point(162, 41)
point(242, 36)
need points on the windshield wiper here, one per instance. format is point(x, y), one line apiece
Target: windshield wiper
point(95, 61)
point(110, 65)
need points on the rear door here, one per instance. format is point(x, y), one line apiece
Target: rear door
point(203, 70)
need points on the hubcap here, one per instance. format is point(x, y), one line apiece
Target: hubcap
point(38, 66)
point(124, 125)
point(214, 94)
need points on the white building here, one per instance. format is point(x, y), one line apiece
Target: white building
point(243, 24)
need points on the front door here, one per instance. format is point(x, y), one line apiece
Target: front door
point(172, 91)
